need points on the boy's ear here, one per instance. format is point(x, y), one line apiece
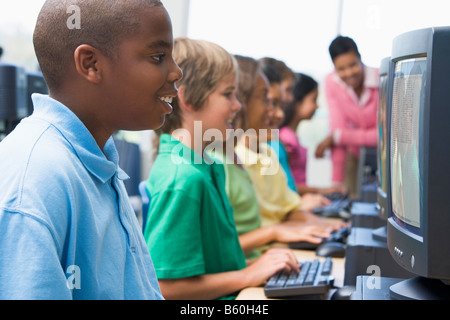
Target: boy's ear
point(181, 100)
point(87, 64)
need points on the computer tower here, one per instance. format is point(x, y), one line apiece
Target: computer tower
point(365, 215)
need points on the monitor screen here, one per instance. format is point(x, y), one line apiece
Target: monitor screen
point(406, 172)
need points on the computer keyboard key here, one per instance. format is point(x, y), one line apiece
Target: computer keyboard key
point(309, 280)
point(304, 267)
point(323, 280)
point(326, 269)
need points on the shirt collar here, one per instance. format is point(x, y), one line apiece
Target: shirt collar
point(102, 164)
point(370, 82)
point(181, 153)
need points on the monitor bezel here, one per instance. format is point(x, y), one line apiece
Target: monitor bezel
point(383, 197)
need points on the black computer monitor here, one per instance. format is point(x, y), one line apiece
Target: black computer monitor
point(13, 95)
point(13, 86)
point(419, 222)
point(383, 116)
point(382, 151)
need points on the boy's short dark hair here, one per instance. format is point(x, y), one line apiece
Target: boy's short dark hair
point(103, 24)
point(284, 71)
point(304, 85)
point(271, 72)
point(341, 45)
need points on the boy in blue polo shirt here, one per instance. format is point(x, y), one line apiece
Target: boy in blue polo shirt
point(67, 229)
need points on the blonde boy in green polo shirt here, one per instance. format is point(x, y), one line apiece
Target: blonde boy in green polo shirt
point(190, 230)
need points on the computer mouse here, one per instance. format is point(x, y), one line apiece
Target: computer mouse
point(343, 293)
point(331, 249)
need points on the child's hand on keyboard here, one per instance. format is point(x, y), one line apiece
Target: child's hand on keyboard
point(312, 200)
point(334, 224)
point(293, 231)
point(311, 218)
point(271, 262)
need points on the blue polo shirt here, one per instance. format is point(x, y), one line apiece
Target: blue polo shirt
point(67, 229)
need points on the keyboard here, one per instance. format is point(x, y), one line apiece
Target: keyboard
point(336, 236)
point(338, 208)
point(336, 196)
point(314, 279)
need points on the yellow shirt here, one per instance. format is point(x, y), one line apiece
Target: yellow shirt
point(275, 197)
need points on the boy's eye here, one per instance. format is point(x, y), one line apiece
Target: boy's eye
point(230, 95)
point(158, 58)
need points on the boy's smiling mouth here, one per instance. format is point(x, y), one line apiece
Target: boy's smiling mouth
point(166, 99)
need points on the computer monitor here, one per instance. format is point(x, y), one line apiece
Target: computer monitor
point(13, 95)
point(13, 86)
point(382, 151)
point(419, 166)
point(383, 115)
point(366, 178)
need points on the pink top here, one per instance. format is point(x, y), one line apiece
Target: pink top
point(353, 120)
point(297, 154)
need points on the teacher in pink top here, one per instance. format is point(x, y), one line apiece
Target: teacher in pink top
point(351, 91)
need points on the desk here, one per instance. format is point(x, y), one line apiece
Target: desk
point(257, 293)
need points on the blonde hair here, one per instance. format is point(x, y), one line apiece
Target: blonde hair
point(204, 65)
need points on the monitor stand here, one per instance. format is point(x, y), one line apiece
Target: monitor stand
point(420, 288)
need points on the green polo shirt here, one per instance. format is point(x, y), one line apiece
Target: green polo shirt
point(190, 228)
